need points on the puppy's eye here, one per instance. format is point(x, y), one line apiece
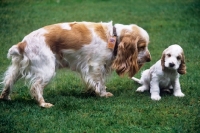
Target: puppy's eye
point(169, 55)
point(178, 57)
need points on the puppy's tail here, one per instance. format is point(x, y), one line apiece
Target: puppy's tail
point(137, 80)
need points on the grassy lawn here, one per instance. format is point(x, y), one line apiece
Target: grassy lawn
point(167, 22)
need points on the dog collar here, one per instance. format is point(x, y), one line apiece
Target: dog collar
point(116, 43)
point(113, 44)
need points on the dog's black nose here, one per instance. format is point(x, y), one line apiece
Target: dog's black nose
point(171, 64)
point(148, 60)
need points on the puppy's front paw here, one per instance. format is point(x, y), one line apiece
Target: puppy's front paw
point(155, 97)
point(179, 94)
point(140, 89)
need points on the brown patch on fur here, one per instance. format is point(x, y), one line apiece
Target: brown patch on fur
point(141, 43)
point(163, 61)
point(101, 31)
point(21, 46)
point(182, 67)
point(58, 38)
point(135, 31)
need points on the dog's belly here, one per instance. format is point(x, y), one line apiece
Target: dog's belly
point(77, 60)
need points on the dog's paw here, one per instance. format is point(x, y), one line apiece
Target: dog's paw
point(46, 105)
point(106, 94)
point(179, 94)
point(7, 98)
point(155, 97)
point(109, 94)
point(140, 89)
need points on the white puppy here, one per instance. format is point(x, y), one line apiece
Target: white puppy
point(164, 74)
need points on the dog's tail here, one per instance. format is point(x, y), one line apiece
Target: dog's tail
point(19, 63)
point(137, 80)
point(16, 50)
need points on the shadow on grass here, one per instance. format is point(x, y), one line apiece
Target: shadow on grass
point(18, 102)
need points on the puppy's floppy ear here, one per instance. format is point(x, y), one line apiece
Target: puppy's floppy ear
point(163, 60)
point(126, 59)
point(182, 67)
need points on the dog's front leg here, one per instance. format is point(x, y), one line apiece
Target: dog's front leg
point(95, 79)
point(98, 86)
point(100, 89)
point(177, 89)
point(154, 89)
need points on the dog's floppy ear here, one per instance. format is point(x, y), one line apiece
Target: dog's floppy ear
point(163, 60)
point(182, 67)
point(126, 59)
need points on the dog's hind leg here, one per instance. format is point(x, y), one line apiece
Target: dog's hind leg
point(40, 78)
point(37, 92)
point(42, 72)
point(144, 81)
point(12, 74)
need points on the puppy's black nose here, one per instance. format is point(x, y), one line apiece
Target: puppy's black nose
point(171, 64)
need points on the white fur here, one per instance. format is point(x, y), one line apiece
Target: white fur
point(156, 78)
point(65, 26)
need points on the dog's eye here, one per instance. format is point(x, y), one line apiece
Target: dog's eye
point(178, 57)
point(141, 48)
point(169, 55)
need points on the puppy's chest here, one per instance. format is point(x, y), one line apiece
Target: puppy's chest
point(166, 80)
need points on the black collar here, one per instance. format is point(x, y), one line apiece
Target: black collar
point(116, 43)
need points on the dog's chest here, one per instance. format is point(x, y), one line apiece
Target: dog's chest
point(166, 80)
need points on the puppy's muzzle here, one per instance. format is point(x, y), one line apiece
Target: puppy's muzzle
point(171, 64)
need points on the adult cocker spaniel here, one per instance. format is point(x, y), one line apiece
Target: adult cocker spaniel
point(92, 49)
point(164, 74)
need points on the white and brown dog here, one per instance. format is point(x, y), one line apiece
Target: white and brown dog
point(91, 49)
point(164, 74)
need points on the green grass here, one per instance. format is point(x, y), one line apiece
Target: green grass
point(167, 22)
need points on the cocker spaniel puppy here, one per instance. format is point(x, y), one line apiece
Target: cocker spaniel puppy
point(164, 74)
point(92, 49)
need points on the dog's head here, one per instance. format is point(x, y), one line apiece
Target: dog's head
point(173, 59)
point(132, 51)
